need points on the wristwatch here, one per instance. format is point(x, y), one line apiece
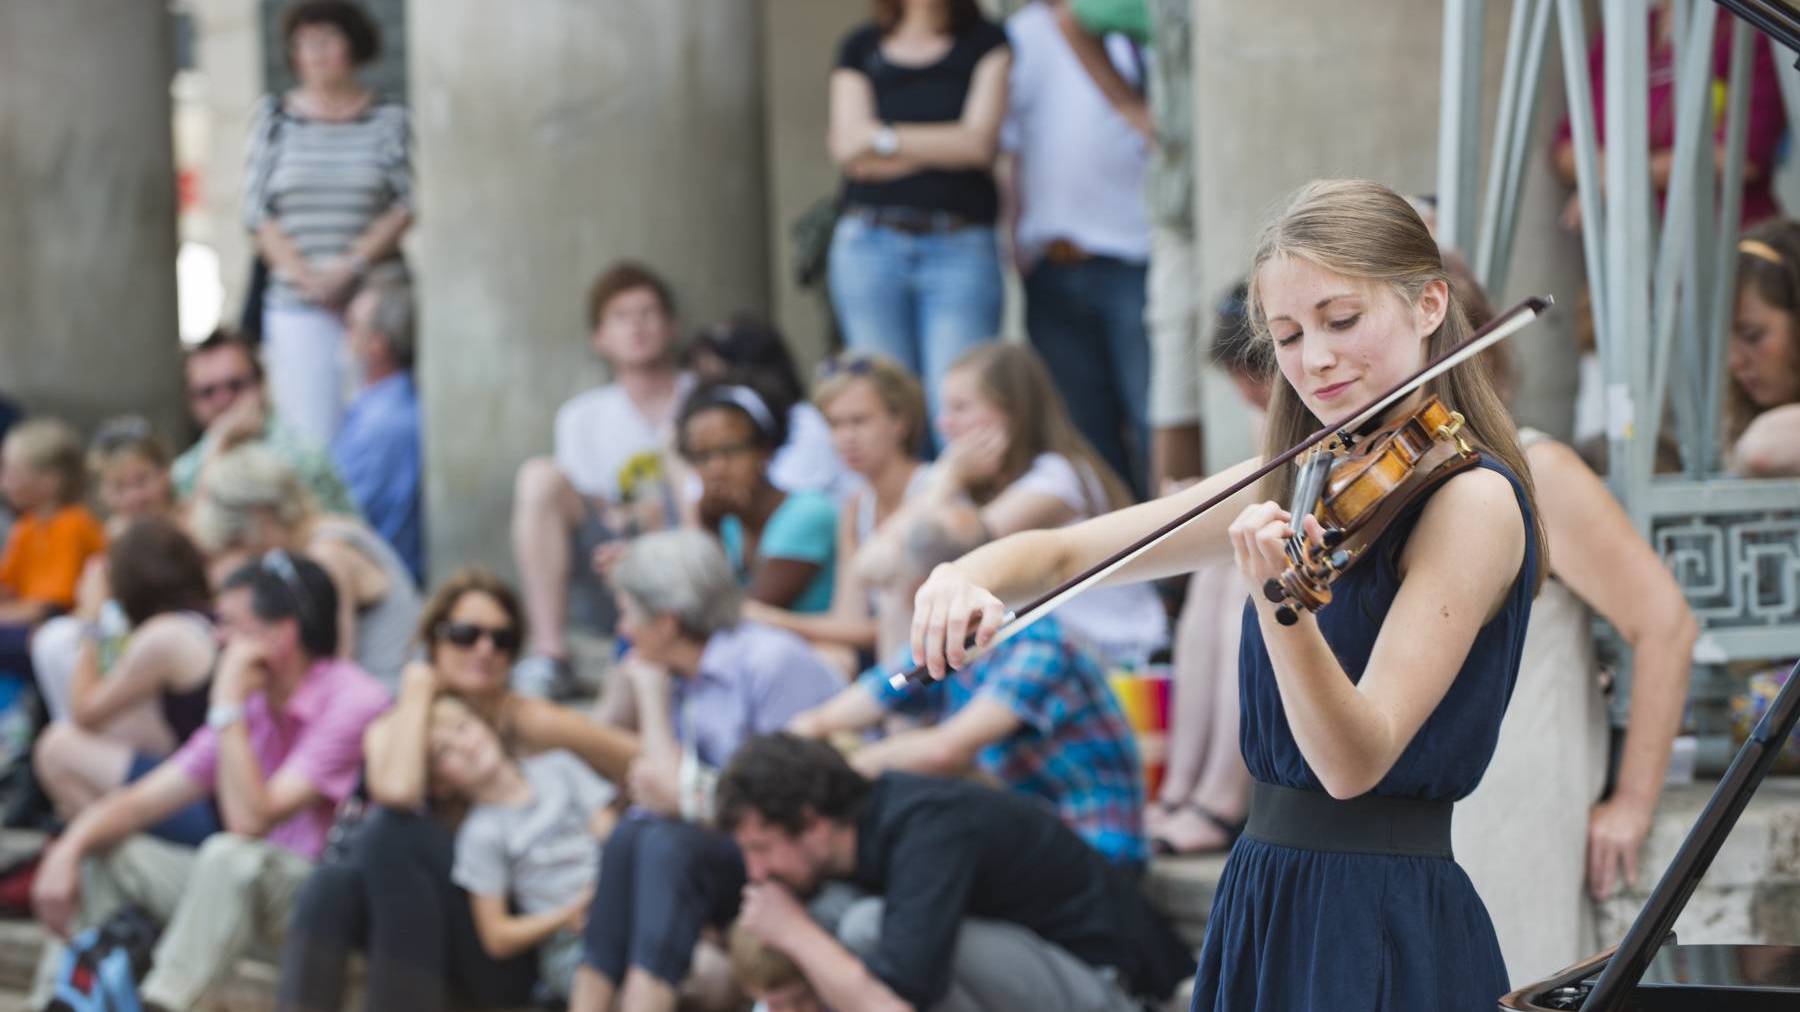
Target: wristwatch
point(886, 142)
point(220, 716)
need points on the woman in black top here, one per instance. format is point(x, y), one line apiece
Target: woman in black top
point(917, 99)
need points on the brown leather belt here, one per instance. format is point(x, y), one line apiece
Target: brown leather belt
point(1065, 252)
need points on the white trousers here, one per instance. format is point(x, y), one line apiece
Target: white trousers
point(307, 364)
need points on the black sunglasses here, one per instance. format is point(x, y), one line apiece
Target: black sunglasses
point(466, 634)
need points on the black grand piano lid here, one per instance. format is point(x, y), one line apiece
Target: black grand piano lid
point(1646, 975)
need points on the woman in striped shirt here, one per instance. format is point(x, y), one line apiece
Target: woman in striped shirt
point(328, 192)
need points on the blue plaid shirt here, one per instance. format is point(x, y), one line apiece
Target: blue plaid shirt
point(1073, 747)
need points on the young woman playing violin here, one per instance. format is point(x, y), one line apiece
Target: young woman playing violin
point(1363, 722)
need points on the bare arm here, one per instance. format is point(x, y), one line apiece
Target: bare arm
point(969, 142)
point(1016, 569)
point(395, 745)
point(158, 654)
point(55, 891)
point(1352, 733)
point(341, 562)
point(541, 725)
point(973, 141)
point(854, 708)
point(848, 622)
point(1090, 52)
point(505, 934)
point(1770, 445)
point(778, 583)
point(279, 250)
point(1597, 553)
point(382, 237)
point(943, 750)
point(841, 980)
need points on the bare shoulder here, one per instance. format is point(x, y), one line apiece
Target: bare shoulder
point(1473, 508)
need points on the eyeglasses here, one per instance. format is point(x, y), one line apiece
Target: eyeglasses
point(466, 634)
point(701, 458)
point(234, 386)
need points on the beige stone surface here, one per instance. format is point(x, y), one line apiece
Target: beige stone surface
point(553, 139)
point(87, 210)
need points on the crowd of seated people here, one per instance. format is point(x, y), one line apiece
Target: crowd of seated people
point(263, 735)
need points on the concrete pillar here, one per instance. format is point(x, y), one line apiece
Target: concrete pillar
point(230, 63)
point(800, 40)
point(553, 138)
point(1287, 91)
point(87, 210)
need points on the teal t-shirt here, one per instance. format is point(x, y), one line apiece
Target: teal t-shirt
point(804, 529)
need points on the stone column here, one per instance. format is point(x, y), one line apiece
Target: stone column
point(1288, 91)
point(552, 139)
point(800, 40)
point(87, 210)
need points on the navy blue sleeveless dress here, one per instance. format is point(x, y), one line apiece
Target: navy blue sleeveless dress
point(1297, 930)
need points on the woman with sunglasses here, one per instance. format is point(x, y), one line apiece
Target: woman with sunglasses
point(391, 894)
point(251, 501)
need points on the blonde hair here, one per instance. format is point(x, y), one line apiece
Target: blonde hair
point(1014, 380)
point(757, 967)
point(1368, 233)
point(238, 488)
point(898, 389)
point(50, 444)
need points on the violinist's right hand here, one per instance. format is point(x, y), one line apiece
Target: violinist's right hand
point(945, 609)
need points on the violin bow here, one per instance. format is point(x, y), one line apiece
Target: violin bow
point(1498, 329)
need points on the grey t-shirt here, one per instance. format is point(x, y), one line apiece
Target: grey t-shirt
point(540, 853)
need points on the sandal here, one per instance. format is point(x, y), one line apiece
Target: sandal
point(1162, 846)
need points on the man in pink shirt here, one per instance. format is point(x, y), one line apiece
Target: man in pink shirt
point(281, 748)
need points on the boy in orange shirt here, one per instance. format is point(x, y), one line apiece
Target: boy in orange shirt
point(41, 475)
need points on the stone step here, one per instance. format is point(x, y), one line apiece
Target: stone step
point(1181, 888)
point(1751, 894)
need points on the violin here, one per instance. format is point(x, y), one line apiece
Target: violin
point(1417, 434)
point(1355, 484)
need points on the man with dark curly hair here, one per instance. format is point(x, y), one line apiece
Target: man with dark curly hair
point(978, 899)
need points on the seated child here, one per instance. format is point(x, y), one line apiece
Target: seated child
point(770, 976)
point(528, 852)
point(42, 474)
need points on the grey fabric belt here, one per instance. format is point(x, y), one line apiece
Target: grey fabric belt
point(1314, 820)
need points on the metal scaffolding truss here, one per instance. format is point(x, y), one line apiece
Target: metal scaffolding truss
point(1661, 291)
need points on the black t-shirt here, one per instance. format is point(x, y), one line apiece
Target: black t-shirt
point(942, 850)
point(928, 94)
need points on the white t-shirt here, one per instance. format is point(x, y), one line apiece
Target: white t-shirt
point(1081, 165)
point(601, 435)
point(807, 462)
point(1120, 624)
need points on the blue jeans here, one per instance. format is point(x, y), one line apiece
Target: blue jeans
point(1087, 321)
point(921, 299)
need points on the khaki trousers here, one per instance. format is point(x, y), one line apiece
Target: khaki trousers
point(215, 904)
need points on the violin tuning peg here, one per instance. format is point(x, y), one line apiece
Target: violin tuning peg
point(1339, 559)
point(1273, 590)
point(1286, 615)
point(1334, 536)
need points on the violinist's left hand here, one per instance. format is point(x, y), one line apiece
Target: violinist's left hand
point(1259, 539)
